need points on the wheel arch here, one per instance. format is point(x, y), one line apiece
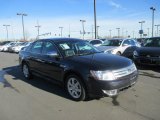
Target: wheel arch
point(71, 72)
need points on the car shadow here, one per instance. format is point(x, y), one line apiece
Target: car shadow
point(149, 74)
point(37, 82)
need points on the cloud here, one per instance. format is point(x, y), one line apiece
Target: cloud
point(114, 4)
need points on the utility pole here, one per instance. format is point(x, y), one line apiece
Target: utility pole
point(153, 9)
point(6, 30)
point(61, 28)
point(141, 30)
point(38, 26)
point(83, 26)
point(22, 14)
point(157, 29)
point(95, 20)
point(118, 32)
point(110, 33)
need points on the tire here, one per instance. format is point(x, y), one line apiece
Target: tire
point(118, 53)
point(75, 88)
point(26, 71)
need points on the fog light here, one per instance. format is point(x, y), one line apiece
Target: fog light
point(110, 92)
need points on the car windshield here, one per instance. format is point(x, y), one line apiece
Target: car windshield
point(152, 42)
point(74, 48)
point(114, 42)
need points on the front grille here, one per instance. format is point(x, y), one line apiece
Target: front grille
point(124, 71)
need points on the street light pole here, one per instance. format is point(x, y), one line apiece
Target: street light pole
point(95, 20)
point(141, 22)
point(61, 28)
point(6, 30)
point(22, 14)
point(153, 9)
point(97, 32)
point(83, 26)
point(148, 31)
point(38, 26)
point(126, 33)
point(157, 29)
point(118, 31)
point(133, 34)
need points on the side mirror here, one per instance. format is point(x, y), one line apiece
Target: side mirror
point(53, 54)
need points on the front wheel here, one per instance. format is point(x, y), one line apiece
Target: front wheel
point(75, 88)
point(26, 71)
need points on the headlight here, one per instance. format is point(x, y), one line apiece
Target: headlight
point(135, 53)
point(103, 75)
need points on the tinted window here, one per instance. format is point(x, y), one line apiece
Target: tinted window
point(48, 48)
point(37, 47)
point(94, 42)
point(152, 42)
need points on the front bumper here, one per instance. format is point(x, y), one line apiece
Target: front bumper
point(101, 88)
point(147, 60)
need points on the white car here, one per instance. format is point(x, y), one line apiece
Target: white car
point(119, 46)
point(18, 48)
point(96, 42)
point(6, 46)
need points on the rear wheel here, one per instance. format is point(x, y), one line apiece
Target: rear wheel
point(75, 88)
point(26, 71)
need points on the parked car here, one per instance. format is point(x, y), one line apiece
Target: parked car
point(124, 47)
point(80, 67)
point(4, 42)
point(6, 46)
point(149, 54)
point(18, 48)
point(96, 42)
point(10, 48)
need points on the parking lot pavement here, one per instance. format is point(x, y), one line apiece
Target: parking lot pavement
point(38, 99)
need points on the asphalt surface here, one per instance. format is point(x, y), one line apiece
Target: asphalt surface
point(39, 99)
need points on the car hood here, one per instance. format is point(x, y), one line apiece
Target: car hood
point(102, 61)
point(106, 48)
point(149, 50)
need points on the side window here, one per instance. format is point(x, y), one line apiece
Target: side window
point(48, 48)
point(132, 42)
point(37, 47)
point(126, 42)
point(94, 42)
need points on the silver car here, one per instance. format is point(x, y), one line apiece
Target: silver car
point(119, 46)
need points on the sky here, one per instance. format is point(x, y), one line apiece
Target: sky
point(52, 14)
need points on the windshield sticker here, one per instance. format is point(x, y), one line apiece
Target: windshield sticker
point(64, 46)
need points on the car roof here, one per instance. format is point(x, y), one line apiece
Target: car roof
point(60, 39)
point(116, 39)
